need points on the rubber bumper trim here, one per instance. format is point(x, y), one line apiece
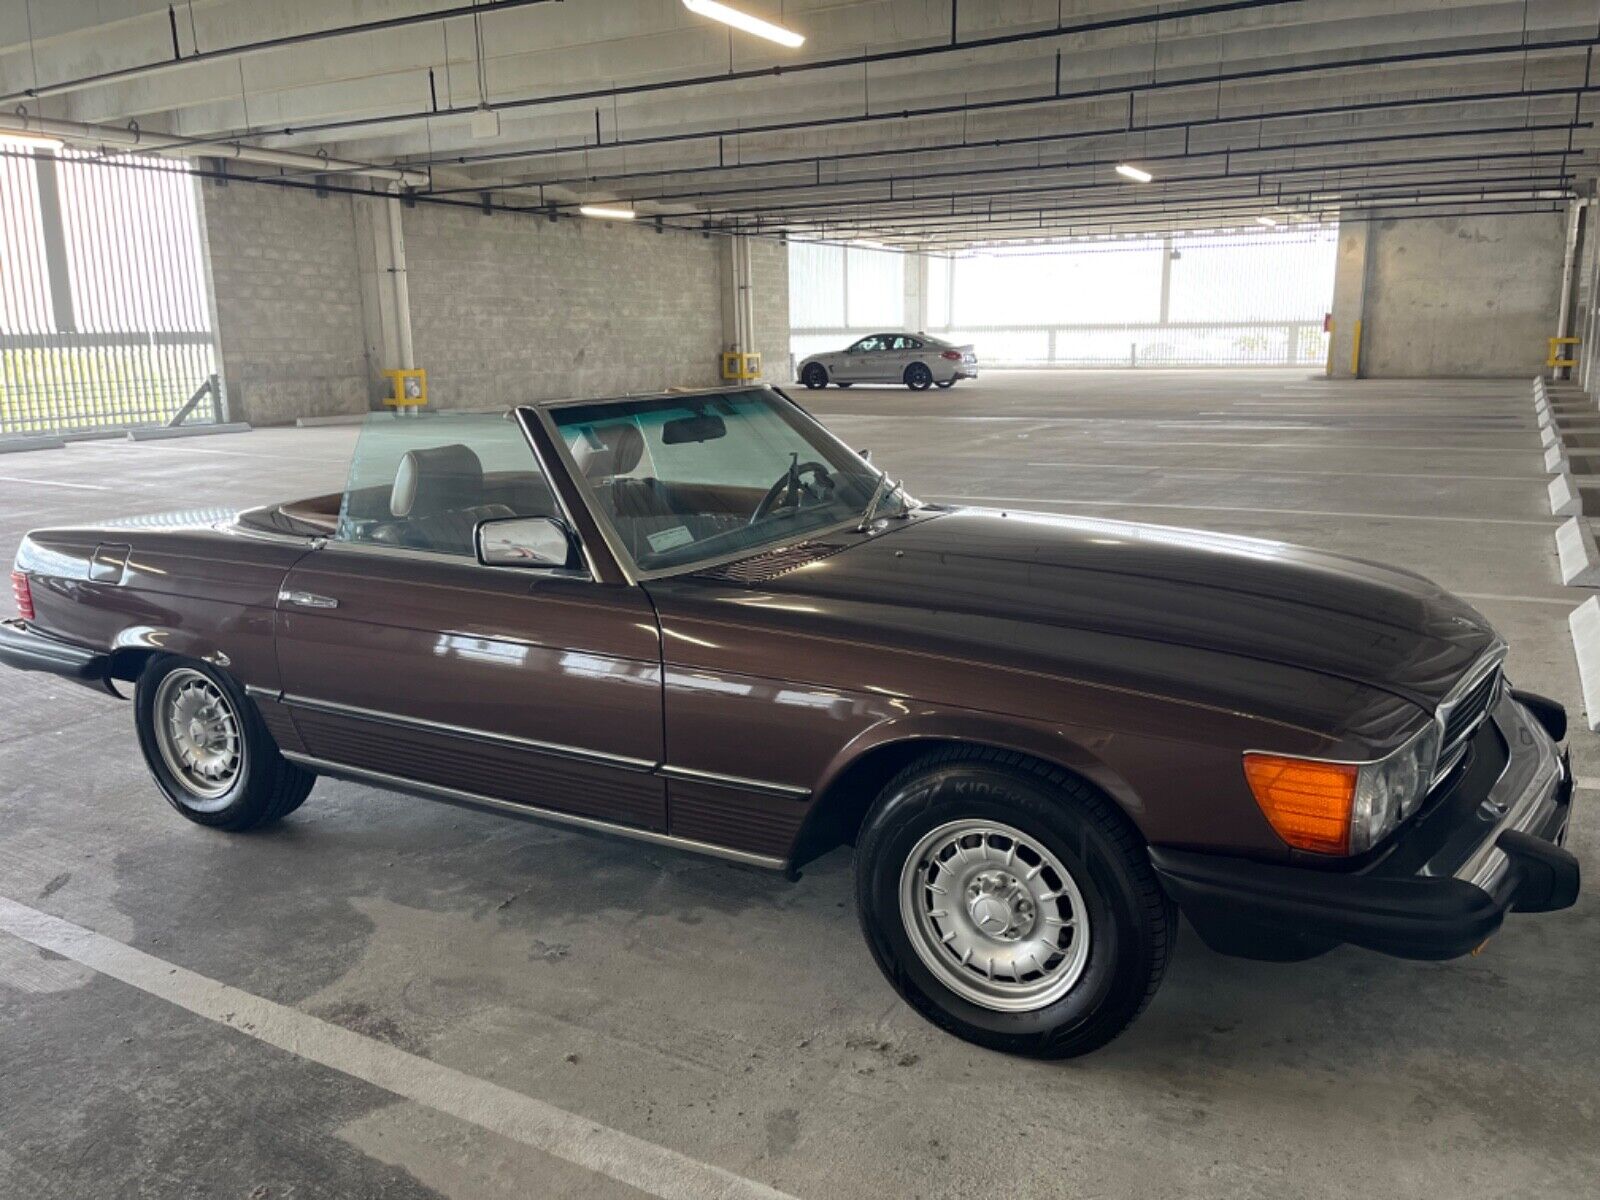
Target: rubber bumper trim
point(1266, 911)
point(28, 650)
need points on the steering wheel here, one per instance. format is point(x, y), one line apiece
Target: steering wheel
point(818, 490)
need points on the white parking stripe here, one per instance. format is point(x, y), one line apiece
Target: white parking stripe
point(1256, 469)
point(598, 1148)
point(82, 487)
point(1024, 501)
point(1563, 603)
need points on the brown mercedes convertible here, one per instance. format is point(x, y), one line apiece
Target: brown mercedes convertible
point(701, 620)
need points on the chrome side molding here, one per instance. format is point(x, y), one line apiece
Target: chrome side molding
point(621, 762)
point(533, 812)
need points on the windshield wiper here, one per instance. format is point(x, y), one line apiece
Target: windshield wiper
point(879, 494)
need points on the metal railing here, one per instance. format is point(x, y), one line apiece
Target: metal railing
point(104, 301)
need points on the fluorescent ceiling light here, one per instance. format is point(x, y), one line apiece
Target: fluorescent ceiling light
point(1267, 221)
point(607, 214)
point(865, 244)
point(744, 21)
point(1129, 171)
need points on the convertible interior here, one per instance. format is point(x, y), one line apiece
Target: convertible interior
point(439, 494)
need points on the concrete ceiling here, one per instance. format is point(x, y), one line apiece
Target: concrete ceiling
point(908, 122)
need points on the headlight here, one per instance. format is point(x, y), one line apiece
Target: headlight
point(1343, 808)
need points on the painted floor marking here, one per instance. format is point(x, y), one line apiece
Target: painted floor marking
point(1556, 600)
point(1021, 501)
point(82, 487)
point(1167, 469)
point(598, 1148)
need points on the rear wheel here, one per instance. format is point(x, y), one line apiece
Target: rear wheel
point(842, 384)
point(1011, 904)
point(814, 376)
point(208, 749)
point(918, 377)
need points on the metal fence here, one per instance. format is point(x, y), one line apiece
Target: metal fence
point(1222, 299)
point(105, 314)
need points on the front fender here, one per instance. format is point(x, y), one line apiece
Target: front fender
point(1049, 743)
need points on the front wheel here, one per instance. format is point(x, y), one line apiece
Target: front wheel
point(918, 377)
point(1011, 904)
point(208, 749)
point(814, 376)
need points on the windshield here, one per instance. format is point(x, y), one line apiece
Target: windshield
point(684, 480)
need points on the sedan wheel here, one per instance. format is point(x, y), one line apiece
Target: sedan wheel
point(945, 383)
point(208, 749)
point(814, 376)
point(994, 915)
point(1011, 903)
point(918, 377)
point(198, 734)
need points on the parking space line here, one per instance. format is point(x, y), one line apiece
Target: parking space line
point(83, 487)
point(1171, 470)
point(605, 1151)
point(1558, 601)
point(1522, 447)
point(1254, 508)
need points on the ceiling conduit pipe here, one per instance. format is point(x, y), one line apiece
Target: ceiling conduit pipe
point(124, 139)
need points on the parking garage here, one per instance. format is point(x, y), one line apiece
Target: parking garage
point(1317, 275)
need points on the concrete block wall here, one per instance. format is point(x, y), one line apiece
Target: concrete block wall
point(1469, 296)
point(511, 308)
point(288, 304)
point(504, 308)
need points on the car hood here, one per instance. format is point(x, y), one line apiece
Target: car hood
point(1269, 601)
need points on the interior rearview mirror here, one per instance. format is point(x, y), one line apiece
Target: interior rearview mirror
point(524, 542)
point(702, 427)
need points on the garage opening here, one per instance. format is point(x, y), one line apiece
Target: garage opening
point(1221, 298)
point(105, 318)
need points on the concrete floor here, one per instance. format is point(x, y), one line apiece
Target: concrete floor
point(736, 1019)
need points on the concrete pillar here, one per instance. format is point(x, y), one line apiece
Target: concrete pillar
point(1166, 280)
point(1566, 314)
point(916, 291)
point(386, 343)
point(734, 261)
point(1349, 297)
point(1589, 330)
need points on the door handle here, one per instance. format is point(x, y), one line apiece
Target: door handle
point(306, 599)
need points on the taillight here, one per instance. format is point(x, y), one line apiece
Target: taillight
point(23, 595)
point(952, 355)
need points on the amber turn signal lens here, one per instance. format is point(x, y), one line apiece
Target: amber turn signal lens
point(1307, 802)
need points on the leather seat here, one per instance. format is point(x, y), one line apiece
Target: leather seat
point(638, 506)
point(437, 501)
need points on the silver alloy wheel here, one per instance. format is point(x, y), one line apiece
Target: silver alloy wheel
point(994, 915)
point(198, 733)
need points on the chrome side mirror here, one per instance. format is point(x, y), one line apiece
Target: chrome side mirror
point(524, 542)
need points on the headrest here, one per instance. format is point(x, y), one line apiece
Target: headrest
point(621, 447)
point(436, 480)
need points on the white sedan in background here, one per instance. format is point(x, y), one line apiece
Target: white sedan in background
point(914, 359)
